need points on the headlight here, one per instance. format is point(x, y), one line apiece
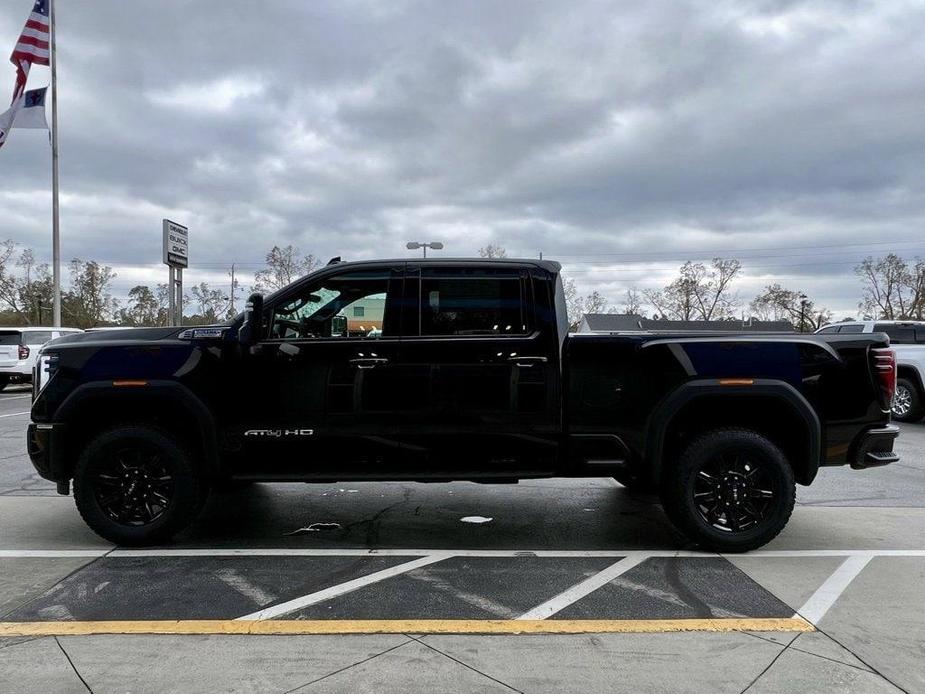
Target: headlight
point(45, 367)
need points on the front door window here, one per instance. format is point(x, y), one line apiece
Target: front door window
point(352, 305)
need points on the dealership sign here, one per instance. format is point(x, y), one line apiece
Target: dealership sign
point(176, 245)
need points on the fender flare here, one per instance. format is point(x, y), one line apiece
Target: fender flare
point(660, 419)
point(186, 401)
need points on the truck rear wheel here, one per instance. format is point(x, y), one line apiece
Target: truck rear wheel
point(4, 381)
point(731, 490)
point(907, 402)
point(136, 485)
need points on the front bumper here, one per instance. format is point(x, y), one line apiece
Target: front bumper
point(44, 444)
point(875, 448)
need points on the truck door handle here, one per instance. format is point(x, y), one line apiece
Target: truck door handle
point(527, 362)
point(369, 362)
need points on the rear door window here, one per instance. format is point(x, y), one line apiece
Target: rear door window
point(10, 337)
point(473, 302)
point(850, 329)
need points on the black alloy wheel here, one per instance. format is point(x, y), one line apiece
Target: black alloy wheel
point(733, 493)
point(134, 486)
point(730, 490)
point(137, 485)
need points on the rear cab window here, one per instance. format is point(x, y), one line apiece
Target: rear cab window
point(854, 328)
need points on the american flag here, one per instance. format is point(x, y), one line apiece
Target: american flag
point(32, 46)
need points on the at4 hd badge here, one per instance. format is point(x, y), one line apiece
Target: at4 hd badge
point(278, 433)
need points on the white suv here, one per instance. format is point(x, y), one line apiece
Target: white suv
point(19, 348)
point(907, 338)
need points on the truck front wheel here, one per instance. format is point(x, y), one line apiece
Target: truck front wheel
point(136, 485)
point(731, 490)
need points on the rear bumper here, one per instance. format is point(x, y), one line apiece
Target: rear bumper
point(875, 448)
point(21, 371)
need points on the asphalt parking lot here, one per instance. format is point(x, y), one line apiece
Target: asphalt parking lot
point(553, 585)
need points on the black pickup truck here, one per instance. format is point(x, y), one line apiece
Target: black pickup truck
point(438, 370)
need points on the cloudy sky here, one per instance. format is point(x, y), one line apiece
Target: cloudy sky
point(619, 138)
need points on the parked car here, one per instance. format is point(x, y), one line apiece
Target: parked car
point(473, 377)
point(19, 348)
point(908, 341)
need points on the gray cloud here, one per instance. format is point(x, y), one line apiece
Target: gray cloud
point(621, 138)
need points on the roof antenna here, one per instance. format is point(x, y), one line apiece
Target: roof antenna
point(335, 260)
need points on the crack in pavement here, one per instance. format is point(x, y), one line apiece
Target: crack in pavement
point(465, 665)
point(352, 665)
point(73, 667)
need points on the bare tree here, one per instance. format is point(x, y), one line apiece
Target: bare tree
point(779, 303)
point(632, 303)
point(212, 304)
point(699, 292)
point(577, 306)
point(284, 266)
point(10, 283)
point(892, 289)
point(492, 251)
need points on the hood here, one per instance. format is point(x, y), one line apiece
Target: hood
point(120, 335)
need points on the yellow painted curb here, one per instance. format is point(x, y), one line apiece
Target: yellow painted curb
point(399, 626)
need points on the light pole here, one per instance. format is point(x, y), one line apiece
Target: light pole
point(802, 313)
point(433, 245)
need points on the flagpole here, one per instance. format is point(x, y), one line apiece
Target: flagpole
point(55, 238)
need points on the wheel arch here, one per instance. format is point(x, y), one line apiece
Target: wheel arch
point(912, 373)
point(95, 406)
point(771, 407)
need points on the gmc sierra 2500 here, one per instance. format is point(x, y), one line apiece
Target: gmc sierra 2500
point(438, 370)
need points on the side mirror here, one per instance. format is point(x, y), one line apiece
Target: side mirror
point(249, 333)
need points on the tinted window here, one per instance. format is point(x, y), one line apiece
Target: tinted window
point(472, 302)
point(920, 335)
point(829, 329)
point(37, 337)
point(850, 329)
point(898, 334)
point(9, 337)
point(350, 305)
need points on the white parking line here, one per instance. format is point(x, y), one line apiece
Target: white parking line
point(444, 553)
point(15, 397)
point(335, 591)
point(586, 587)
point(825, 596)
point(14, 414)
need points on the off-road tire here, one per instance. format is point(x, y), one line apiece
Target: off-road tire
point(187, 495)
point(724, 444)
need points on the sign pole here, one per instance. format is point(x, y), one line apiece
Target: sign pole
point(172, 296)
point(179, 296)
point(55, 235)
